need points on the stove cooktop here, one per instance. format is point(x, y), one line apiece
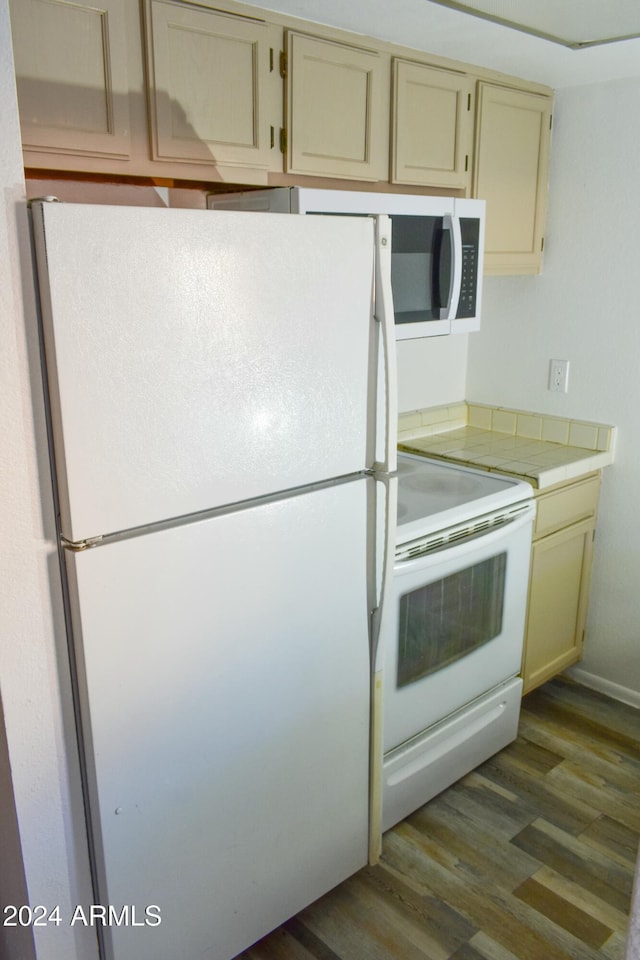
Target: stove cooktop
point(433, 495)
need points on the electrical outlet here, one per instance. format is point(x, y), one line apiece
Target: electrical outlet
point(559, 375)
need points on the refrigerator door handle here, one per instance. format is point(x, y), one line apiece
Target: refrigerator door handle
point(380, 617)
point(385, 316)
point(386, 546)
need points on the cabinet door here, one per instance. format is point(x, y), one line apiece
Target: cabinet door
point(71, 70)
point(432, 131)
point(510, 173)
point(337, 109)
point(558, 594)
point(207, 73)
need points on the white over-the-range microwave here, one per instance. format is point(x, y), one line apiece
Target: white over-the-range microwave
point(436, 257)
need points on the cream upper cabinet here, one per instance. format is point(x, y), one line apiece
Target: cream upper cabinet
point(72, 77)
point(510, 173)
point(337, 98)
point(193, 90)
point(207, 74)
point(432, 126)
point(559, 579)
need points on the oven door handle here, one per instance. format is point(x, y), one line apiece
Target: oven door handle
point(458, 548)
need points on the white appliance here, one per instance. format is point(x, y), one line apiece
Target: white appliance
point(436, 257)
point(225, 511)
point(453, 629)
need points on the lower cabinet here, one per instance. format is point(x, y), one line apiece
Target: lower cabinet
point(559, 579)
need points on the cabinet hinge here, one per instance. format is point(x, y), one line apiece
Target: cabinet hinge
point(283, 65)
point(283, 140)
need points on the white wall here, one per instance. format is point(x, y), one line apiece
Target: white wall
point(431, 371)
point(34, 683)
point(585, 308)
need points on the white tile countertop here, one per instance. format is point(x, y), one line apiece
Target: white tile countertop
point(545, 450)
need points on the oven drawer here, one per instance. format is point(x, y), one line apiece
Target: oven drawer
point(432, 761)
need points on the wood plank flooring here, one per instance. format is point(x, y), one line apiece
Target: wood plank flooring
point(529, 857)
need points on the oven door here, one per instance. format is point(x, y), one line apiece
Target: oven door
point(455, 625)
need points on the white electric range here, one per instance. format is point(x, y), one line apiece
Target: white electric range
point(453, 631)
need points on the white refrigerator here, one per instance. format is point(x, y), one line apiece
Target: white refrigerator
point(221, 392)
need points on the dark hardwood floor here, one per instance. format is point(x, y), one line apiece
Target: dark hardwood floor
point(530, 857)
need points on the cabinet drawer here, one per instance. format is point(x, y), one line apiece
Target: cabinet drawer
point(566, 506)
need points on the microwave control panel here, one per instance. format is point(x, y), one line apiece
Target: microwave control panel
point(470, 233)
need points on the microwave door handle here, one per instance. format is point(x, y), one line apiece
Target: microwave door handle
point(451, 225)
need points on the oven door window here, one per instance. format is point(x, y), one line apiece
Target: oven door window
point(444, 620)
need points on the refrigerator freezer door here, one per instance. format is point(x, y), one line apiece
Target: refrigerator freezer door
point(226, 714)
point(200, 359)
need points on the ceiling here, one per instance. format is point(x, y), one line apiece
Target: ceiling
point(558, 42)
point(574, 23)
